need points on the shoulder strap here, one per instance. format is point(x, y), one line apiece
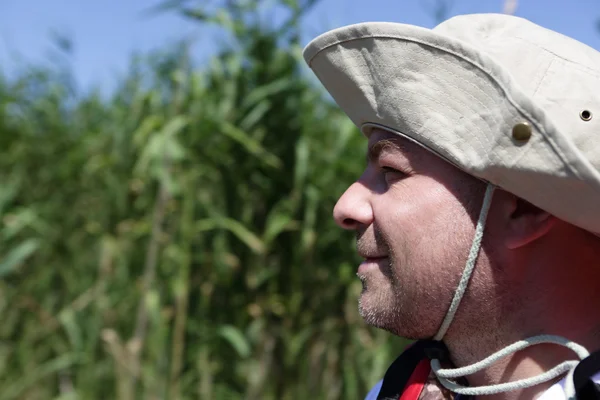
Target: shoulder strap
point(585, 387)
point(407, 375)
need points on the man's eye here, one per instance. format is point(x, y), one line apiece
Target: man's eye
point(391, 174)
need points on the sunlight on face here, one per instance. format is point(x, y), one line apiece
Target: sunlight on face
point(414, 218)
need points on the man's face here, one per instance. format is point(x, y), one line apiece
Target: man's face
point(414, 215)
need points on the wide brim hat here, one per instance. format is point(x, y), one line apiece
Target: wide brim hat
point(507, 101)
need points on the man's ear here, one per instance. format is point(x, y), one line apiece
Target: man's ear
point(525, 222)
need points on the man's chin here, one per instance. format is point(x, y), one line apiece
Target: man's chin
point(382, 315)
point(373, 312)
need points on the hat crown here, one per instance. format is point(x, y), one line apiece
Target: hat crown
point(560, 74)
point(508, 36)
point(500, 97)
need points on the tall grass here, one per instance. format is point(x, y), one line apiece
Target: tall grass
point(176, 241)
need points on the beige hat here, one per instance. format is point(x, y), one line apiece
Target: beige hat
point(503, 99)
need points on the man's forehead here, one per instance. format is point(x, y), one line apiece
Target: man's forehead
point(418, 157)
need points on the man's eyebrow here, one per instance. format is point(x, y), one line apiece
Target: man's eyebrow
point(376, 149)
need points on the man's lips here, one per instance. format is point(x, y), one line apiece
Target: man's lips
point(369, 263)
point(371, 257)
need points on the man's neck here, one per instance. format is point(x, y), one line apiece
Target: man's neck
point(524, 364)
point(568, 310)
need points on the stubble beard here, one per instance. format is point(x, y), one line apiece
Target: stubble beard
point(388, 302)
point(381, 300)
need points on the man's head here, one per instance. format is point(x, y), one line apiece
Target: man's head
point(506, 101)
point(414, 215)
point(476, 108)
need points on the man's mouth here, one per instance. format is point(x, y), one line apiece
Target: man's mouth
point(371, 256)
point(370, 262)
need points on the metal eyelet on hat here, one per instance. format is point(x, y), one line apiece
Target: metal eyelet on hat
point(521, 132)
point(585, 115)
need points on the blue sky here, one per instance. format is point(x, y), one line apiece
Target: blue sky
point(106, 33)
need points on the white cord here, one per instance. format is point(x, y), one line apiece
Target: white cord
point(471, 261)
point(444, 375)
point(513, 348)
point(507, 387)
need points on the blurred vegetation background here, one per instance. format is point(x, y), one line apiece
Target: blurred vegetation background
point(175, 240)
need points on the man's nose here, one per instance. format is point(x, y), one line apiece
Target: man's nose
point(353, 208)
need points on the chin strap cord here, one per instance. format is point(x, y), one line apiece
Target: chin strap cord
point(471, 261)
point(445, 375)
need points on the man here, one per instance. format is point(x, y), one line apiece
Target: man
point(477, 213)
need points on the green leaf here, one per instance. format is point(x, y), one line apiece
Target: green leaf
point(250, 144)
point(69, 322)
point(196, 14)
point(175, 125)
point(236, 228)
point(310, 218)
point(164, 6)
point(254, 116)
point(8, 191)
point(143, 132)
point(236, 339)
point(280, 219)
point(161, 146)
point(297, 343)
point(62, 362)
point(20, 219)
point(275, 225)
point(263, 92)
point(17, 256)
point(68, 396)
point(256, 279)
point(302, 163)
